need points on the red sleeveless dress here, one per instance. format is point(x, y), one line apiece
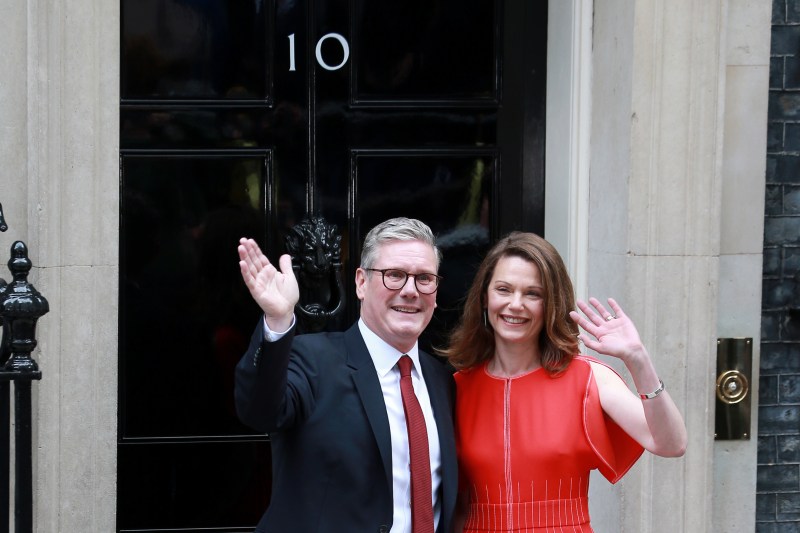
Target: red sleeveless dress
point(526, 445)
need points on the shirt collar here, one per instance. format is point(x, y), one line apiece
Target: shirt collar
point(384, 357)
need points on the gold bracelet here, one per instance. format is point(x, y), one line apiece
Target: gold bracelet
point(653, 394)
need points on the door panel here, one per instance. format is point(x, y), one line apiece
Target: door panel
point(194, 485)
point(183, 50)
point(186, 315)
point(243, 118)
point(452, 190)
point(429, 53)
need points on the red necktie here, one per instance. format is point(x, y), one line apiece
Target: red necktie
point(421, 501)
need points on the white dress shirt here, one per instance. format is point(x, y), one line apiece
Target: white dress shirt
point(385, 359)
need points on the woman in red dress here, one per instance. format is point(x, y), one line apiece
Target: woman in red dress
point(533, 417)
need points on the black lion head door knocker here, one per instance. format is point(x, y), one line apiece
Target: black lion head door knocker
point(315, 247)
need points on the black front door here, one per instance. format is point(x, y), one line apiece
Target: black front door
point(252, 117)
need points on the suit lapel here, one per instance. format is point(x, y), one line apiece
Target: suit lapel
point(442, 405)
point(366, 382)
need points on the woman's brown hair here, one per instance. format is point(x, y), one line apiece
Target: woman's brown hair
point(472, 341)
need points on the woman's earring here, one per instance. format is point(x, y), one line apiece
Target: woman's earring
point(486, 319)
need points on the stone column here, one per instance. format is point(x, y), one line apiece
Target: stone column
point(13, 160)
point(13, 141)
point(746, 63)
point(60, 190)
point(655, 198)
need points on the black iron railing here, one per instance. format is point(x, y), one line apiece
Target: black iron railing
point(21, 306)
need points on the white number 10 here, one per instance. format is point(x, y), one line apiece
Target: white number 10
point(320, 60)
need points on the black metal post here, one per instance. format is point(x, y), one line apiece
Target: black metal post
point(21, 305)
point(5, 414)
point(23, 468)
point(5, 456)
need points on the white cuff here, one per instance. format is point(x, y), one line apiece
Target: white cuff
point(272, 336)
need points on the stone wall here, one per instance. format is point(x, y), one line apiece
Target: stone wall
point(778, 484)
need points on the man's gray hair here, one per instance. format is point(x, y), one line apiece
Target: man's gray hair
point(397, 229)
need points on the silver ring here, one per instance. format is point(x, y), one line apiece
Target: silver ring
point(610, 317)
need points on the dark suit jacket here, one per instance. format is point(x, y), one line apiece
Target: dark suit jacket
point(319, 398)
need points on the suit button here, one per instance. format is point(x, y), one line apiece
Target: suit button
point(383, 529)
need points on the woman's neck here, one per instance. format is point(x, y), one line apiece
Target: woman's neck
point(514, 360)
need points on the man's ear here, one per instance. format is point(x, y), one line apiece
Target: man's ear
point(361, 282)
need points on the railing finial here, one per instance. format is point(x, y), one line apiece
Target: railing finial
point(3, 225)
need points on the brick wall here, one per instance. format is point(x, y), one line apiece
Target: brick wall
point(778, 484)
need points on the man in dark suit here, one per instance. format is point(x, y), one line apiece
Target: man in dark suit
point(332, 403)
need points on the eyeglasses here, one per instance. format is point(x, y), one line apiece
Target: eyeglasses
point(395, 279)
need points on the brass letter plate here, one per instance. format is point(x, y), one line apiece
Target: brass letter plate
point(733, 388)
